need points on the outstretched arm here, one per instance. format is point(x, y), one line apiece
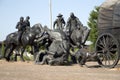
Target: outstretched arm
point(54, 24)
point(63, 21)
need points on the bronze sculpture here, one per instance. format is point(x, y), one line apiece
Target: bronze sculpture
point(27, 38)
point(57, 43)
point(73, 23)
point(27, 22)
point(59, 23)
point(21, 28)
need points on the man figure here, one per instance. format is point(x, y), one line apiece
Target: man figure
point(21, 28)
point(59, 23)
point(73, 23)
point(27, 22)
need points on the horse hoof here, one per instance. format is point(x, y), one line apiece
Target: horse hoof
point(23, 60)
point(39, 63)
point(7, 59)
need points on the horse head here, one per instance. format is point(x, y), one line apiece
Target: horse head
point(37, 28)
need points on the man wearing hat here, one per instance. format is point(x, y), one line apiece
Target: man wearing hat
point(59, 23)
point(73, 23)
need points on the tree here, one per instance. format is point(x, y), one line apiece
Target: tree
point(92, 23)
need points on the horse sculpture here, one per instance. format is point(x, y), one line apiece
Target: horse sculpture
point(57, 51)
point(79, 36)
point(27, 39)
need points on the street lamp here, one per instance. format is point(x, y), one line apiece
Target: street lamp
point(50, 10)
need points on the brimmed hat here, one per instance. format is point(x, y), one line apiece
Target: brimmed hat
point(59, 15)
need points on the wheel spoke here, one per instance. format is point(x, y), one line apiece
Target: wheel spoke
point(101, 43)
point(107, 41)
point(100, 46)
point(113, 55)
point(104, 59)
point(104, 41)
point(113, 49)
point(108, 58)
point(111, 58)
point(111, 44)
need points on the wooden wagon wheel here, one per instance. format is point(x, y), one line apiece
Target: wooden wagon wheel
point(107, 48)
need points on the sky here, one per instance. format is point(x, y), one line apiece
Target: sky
point(39, 12)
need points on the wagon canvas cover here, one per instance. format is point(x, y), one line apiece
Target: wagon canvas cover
point(109, 15)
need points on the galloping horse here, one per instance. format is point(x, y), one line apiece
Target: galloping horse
point(27, 39)
point(58, 51)
point(78, 38)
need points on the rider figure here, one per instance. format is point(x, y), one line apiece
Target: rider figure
point(21, 28)
point(73, 23)
point(27, 22)
point(59, 23)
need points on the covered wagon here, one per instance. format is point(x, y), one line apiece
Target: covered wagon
point(108, 41)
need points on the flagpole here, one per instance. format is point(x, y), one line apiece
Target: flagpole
point(50, 10)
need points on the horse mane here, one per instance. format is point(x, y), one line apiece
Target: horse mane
point(37, 26)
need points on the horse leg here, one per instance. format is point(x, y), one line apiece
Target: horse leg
point(5, 52)
point(10, 53)
point(21, 56)
point(35, 50)
point(17, 53)
point(15, 58)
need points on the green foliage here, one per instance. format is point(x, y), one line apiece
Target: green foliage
point(28, 49)
point(28, 58)
point(92, 23)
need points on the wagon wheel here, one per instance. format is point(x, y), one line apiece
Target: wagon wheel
point(107, 48)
